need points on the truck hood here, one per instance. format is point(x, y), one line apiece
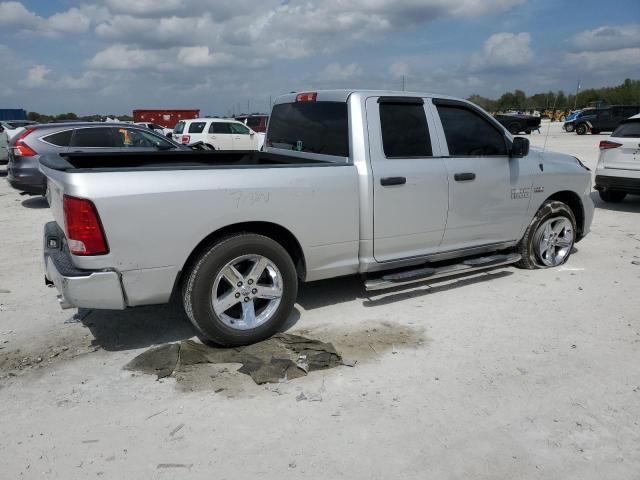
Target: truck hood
point(562, 159)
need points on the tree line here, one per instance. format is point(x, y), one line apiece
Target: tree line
point(627, 93)
point(67, 117)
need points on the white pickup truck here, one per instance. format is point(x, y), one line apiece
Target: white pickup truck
point(401, 187)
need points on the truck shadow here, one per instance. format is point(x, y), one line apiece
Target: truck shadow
point(330, 292)
point(141, 327)
point(631, 204)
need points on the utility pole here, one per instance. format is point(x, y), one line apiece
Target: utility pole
point(575, 102)
point(248, 107)
point(403, 83)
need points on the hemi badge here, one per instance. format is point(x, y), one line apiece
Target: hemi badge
point(538, 189)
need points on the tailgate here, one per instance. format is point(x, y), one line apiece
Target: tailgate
point(625, 157)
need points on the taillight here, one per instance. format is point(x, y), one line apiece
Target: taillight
point(607, 144)
point(21, 149)
point(307, 97)
point(85, 235)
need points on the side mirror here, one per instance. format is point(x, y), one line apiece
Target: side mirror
point(252, 133)
point(520, 147)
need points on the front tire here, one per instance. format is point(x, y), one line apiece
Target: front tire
point(240, 290)
point(549, 239)
point(581, 129)
point(612, 196)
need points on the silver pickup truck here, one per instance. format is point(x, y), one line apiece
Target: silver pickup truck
point(400, 187)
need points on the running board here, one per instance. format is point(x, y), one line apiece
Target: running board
point(429, 273)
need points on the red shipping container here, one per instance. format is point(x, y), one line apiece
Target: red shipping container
point(166, 118)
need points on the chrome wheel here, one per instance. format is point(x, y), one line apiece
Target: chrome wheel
point(554, 240)
point(247, 292)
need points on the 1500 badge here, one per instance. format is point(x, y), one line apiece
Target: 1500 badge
point(519, 193)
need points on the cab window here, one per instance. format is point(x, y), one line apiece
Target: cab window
point(470, 134)
point(404, 130)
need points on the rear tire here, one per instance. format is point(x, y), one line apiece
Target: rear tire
point(549, 239)
point(612, 196)
point(581, 129)
point(240, 290)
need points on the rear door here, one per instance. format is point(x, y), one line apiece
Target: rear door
point(220, 136)
point(410, 186)
point(489, 192)
point(84, 139)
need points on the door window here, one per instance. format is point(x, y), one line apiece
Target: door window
point(135, 138)
point(239, 129)
point(469, 134)
point(197, 127)
point(60, 139)
point(220, 127)
point(100, 137)
point(405, 132)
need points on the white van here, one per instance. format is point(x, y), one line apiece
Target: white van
point(220, 133)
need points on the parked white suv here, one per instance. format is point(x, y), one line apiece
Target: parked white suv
point(219, 133)
point(166, 132)
point(618, 171)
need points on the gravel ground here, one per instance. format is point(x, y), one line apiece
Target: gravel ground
point(508, 374)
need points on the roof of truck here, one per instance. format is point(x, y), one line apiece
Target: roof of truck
point(343, 95)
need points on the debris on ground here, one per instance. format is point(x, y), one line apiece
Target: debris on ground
point(279, 358)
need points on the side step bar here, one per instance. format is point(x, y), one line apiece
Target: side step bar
point(429, 273)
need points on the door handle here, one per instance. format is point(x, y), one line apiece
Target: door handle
point(461, 177)
point(386, 181)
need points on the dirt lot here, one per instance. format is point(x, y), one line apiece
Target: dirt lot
point(509, 374)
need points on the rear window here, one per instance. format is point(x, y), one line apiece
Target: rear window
point(314, 127)
point(630, 128)
point(60, 139)
point(220, 127)
point(93, 138)
point(197, 127)
point(179, 128)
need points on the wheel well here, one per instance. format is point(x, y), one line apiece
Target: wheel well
point(275, 232)
point(572, 200)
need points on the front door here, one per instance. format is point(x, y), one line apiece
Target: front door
point(410, 187)
point(489, 192)
point(243, 137)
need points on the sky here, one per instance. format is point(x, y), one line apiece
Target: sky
point(223, 57)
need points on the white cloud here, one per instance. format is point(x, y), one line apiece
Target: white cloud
point(75, 20)
point(614, 61)
point(503, 51)
point(122, 57)
point(338, 72)
point(202, 57)
point(399, 69)
point(607, 37)
point(37, 76)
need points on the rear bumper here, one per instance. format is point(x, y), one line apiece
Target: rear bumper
point(78, 288)
point(28, 179)
point(629, 183)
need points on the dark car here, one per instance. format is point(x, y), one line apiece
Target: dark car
point(257, 123)
point(604, 119)
point(519, 123)
point(26, 148)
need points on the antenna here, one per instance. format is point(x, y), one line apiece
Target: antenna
point(546, 137)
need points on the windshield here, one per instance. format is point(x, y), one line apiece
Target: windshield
point(314, 127)
point(179, 128)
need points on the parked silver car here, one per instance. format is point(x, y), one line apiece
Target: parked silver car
point(414, 185)
point(26, 148)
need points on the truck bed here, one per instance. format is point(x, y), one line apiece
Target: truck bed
point(173, 160)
